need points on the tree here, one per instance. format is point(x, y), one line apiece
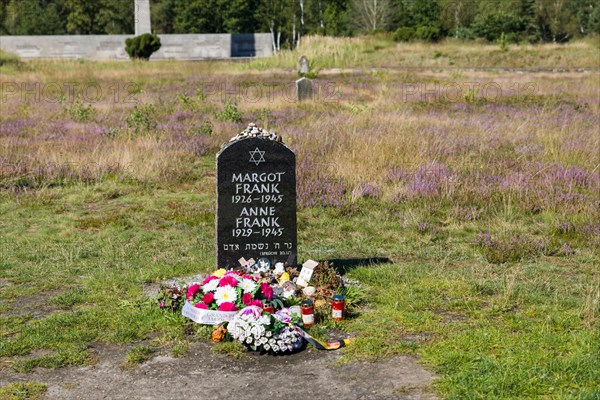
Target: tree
point(274, 14)
point(419, 13)
point(555, 20)
point(372, 15)
point(163, 16)
point(198, 16)
point(31, 17)
point(456, 15)
point(115, 17)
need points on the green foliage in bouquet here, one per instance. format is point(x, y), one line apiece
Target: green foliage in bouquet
point(170, 296)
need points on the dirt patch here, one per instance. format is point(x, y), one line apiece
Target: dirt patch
point(311, 374)
point(38, 306)
point(421, 337)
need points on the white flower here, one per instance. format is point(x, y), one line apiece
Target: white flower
point(268, 334)
point(264, 320)
point(279, 269)
point(210, 286)
point(267, 347)
point(275, 347)
point(249, 339)
point(248, 285)
point(225, 294)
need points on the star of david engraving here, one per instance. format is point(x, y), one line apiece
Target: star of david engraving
point(257, 153)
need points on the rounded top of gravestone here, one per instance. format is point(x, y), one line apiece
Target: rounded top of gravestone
point(253, 131)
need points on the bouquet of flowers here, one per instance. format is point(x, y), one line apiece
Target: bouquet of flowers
point(260, 330)
point(228, 291)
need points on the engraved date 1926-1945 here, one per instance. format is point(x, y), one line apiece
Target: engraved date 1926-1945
point(265, 198)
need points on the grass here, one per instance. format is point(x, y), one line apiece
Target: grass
point(137, 355)
point(22, 391)
point(486, 204)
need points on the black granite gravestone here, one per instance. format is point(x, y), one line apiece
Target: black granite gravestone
point(256, 202)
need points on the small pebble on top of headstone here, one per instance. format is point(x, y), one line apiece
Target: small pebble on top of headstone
point(303, 66)
point(304, 89)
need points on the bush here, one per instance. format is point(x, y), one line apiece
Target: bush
point(9, 59)
point(492, 26)
point(141, 47)
point(142, 118)
point(80, 112)
point(404, 34)
point(428, 33)
point(230, 112)
point(464, 33)
point(594, 21)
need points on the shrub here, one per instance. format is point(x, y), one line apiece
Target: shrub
point(229, 113)
point(492, 26)
point(9, 59)
point(404, 34)
point(428, 33)
point(142, 118)
point(594, 20)
point(141, 47)
point(80, 112)
point(464, 33)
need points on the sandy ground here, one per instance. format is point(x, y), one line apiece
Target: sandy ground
point(310, 374)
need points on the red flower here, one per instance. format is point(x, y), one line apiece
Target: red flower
point(208, 279)
point(227, 306)
point(247, 298)
point(257, 303)
point(208, 298)
point(201, 305)
point(228, 280)
point(192, 290)
point(267, 290)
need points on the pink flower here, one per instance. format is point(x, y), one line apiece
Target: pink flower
point(284, 315)
point(208, 298)
point(227, 306)
point(228, 280)
point(256, 303)
point(192, 290)
point(247, 298)
point(255, 311)
point(267, 290)
point(201, 305)
point(208, 279)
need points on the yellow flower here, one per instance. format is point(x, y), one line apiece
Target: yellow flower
point(219, 273)
point(284, 278)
